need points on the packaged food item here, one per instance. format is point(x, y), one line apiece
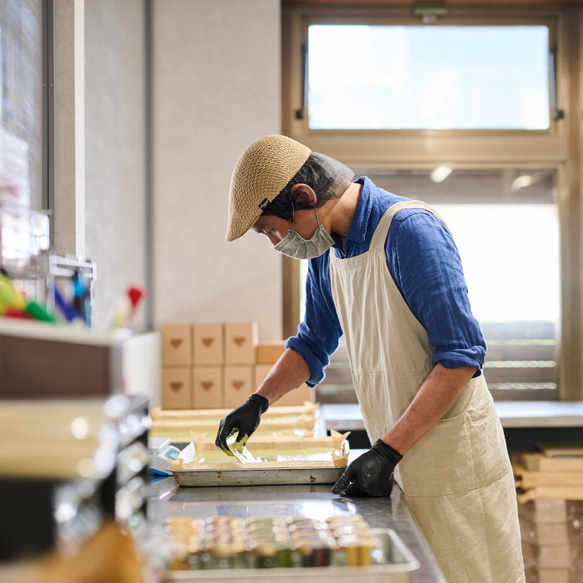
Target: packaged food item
point(263, 542)
point(264, 554)
point(188, 543)
point(357, 549)
point(316, 552)
point(226, 554)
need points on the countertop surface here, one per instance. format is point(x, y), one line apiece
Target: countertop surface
point(513, 414)
point(315, 501)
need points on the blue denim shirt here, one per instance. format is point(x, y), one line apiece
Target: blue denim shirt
point(425, 264)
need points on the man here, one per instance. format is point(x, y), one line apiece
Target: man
point(385, 272)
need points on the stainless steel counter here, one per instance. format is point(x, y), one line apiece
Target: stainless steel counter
point(167, 499)
point(530, 414)
point(513, 414)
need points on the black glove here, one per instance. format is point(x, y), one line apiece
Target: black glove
point(370, 474)
point(244, 420)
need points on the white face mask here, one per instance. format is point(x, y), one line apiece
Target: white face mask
point(294, 245)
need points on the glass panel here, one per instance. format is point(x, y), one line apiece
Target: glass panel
point(21, 102)
point(428, 77)
point(303, 276)
point(506, 226)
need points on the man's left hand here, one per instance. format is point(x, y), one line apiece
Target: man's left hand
point(371, 474)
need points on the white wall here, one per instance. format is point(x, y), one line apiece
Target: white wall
point(216, 89)
point(115, 150)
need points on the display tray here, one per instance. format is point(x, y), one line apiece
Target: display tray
point(396, 565)
point(257, 477)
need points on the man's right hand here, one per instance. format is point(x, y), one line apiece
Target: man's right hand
point(243, 420)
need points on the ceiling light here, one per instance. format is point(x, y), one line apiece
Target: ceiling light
point(441, 173)
point(521, 182)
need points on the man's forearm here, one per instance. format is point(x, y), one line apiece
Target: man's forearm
point(436, 395)
point(288, 373)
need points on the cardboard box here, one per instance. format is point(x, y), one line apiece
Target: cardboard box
point(546, 510)
point(554, 557)
point(544, 534)
point(554, 575)
point(546, 557)
point(238, 384)
point(240, 342)
point(298, 396)
point(176, 388)
point(528, 554)
point(292, 399)
point(207, 387)
point(176, 345)
point(261, 371)
point(208, 344)
point(269, 352)
point(533, 573)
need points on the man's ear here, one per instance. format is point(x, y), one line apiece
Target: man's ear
point(304, 194)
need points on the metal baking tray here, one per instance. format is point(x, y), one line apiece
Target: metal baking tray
point(396, 565)
point(257, 477)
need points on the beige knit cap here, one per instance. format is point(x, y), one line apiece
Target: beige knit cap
point(262, 172)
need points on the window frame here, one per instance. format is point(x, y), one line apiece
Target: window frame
point(401, 145)
point(466, 22)
point(557, 147)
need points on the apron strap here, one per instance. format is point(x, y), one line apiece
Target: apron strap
point(380, 234)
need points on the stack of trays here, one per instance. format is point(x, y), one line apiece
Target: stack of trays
point(552, 540)
point(554, 472)
point(178, 425)
point(550, 495)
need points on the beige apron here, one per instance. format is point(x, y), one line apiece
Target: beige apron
point(457, 480)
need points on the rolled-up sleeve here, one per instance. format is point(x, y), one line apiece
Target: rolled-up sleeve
point(426, 266)
point(319, 333)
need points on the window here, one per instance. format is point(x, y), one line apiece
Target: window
point(21, 101)
point(24, 231)
point(434, 77)
point(403, 102)
point(506, 226)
